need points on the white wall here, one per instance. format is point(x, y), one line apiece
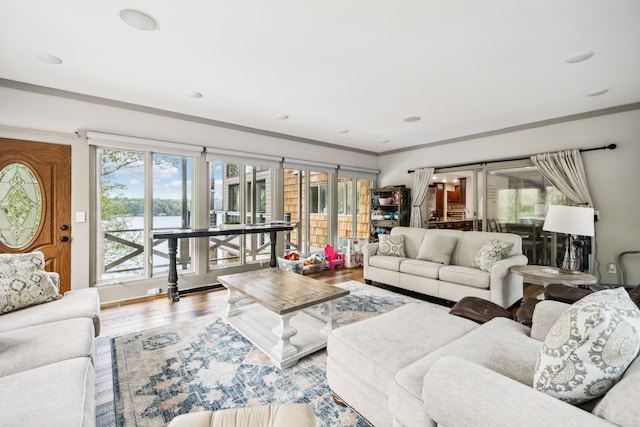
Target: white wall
point(46, 118)
point(613, 175)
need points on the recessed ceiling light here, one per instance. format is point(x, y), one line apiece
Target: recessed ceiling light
point(193, 94)
point(49, 59)
point(386, 141)
point(579, 57)
point(412, 119)
point(343, 130)
point(434, 177)
point(139, 19)
point(598, 92)
point(444, 180)
point(282, 117)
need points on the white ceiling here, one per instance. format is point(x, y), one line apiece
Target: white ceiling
point(464, 67)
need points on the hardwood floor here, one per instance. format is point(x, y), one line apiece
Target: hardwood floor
point(146, 313)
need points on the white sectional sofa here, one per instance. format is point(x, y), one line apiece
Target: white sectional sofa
point(451, 281)
point(46, 362)
point(419, 366)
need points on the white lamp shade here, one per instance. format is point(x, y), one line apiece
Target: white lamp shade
point(569, 220)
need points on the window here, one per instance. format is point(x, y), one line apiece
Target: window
point(318, 199)
point(261, 196)
point(123, 219)
point(344, 196)
point(234, 190)
point(229, 189)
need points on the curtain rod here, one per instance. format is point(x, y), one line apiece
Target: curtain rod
point(482, 163)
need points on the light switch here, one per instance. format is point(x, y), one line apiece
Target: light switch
point(81, 217)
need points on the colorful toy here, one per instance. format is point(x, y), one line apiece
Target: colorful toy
point(334, 258)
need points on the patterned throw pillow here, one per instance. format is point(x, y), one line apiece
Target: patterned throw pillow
point(391, 245)
point(23, 282)
point(589, 347)
point(491, 252)
point(437, 248)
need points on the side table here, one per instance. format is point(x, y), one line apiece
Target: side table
point(543, 275)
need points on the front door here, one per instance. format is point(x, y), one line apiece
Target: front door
point(35, 202)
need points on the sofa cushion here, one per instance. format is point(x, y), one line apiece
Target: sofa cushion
point(413, 238)
point(45, 344)
point(465, 276)
point(545, 315)
point(589, 347)
point(471, 242)
point(491, 252)
point(620, 404)
point(420, 268)
point(78, 303)
point(517, 359)
point(387, 262)
point(378, 347)
point(391, 245)
point(23, 281)
point(60, 394)
point(437, 248)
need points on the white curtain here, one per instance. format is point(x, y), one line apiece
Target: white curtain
point(420, 190)
point(565, 171)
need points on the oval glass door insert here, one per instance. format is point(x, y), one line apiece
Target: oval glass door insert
point(20, 205)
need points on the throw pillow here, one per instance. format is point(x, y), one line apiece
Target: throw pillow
point(589, 347)
point(391, 245)
point(23, 282)
point(491, 252)
point(437, 248)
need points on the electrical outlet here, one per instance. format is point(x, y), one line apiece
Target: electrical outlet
point(612, 268)
point(153, 291)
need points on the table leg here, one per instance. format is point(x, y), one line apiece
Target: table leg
point(331, 318)
point(231, 309)
point(172, 289)
point(273, 235)
point(284, 331)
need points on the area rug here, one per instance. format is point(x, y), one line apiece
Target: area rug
point(205, 364)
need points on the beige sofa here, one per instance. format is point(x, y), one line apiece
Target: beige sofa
point(450, 282)
point(46, 362)
point(421, 366)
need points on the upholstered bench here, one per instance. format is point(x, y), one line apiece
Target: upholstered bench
point(364, 357)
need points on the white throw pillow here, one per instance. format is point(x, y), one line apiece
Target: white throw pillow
point(589, 347)
point(491, 252)
point(437, 248)
point(23, 282)
point(391, 245)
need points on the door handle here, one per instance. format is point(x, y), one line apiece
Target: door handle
point(64, 238)
point(64, 227)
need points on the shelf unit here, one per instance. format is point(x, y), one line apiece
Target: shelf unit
point(386, 216)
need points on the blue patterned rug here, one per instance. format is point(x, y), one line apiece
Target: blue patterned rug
point(205, 364)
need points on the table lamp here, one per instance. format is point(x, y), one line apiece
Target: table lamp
point(572, 221)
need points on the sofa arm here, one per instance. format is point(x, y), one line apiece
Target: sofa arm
point(460, 393)
point(368, 250)
point(500, 269)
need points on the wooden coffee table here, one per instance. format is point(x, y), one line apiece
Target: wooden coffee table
point(276, 320)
